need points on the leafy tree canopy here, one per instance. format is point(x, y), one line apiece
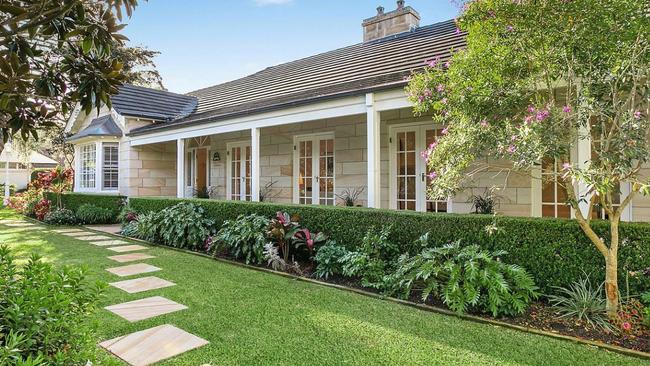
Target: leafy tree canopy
point(53, 54)
point(536, 77)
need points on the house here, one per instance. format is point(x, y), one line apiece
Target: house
point(17, 170)
point(310, 129)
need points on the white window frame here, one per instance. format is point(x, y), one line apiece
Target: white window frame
point(103, 160)
point(80, 153)
point(420, 165)
point(242, 145)
point(99, 167)
point(315, 138)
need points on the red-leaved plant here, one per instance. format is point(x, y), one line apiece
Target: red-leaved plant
point(306, 238)
point(281, 230)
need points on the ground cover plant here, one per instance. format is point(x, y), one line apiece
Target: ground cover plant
point(44, 312)
point(233, 307)
point(91, 214)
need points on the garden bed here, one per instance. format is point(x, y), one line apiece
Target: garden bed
point(538, 319)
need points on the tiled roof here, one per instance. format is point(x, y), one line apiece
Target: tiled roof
point(102, 126)
point(136, 101)
point(379, 64)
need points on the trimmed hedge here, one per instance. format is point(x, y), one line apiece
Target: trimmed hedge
point(554, 251)
point(72, 201)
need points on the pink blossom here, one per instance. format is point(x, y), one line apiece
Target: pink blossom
point(445, 113)
point(440, 88)
point(566, 166)
point(457, 30)
point(542, 115)
point(512, 149)
point(528, 120)
point(447, 64)
point(513, 138)
point(421, 98)
point(445, 131)
point(444, 101)
point(433, 145)
point(510, 28)
point(531, 108)
point(626, 326)
point(484, 122)
point(566, 109)
point(433, 175)
point(427, 93)
point(637, 115)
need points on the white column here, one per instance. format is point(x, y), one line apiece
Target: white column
point(583, 159)
point(255, 164)
point(374, 152)
point(180, 168)
point(6, 193)
point(536, 191)
point(99, 165)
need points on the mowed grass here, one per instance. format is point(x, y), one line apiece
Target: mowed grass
point(255, 318)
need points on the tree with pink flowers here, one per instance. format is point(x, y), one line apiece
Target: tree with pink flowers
point(536, 78)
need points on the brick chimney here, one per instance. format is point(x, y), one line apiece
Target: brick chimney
point(402, 19)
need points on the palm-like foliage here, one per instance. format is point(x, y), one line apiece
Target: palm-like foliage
point(465, 278)
point(583, 301)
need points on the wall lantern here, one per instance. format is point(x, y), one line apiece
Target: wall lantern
point(216, 157)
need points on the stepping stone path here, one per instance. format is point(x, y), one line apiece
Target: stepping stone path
point(133, 269)
point(152, 345)
point(109, 243)
point(92, 237)
point(142, 284)
point(145, 308)
point(67, 231)
point(127, 248)
point(75, 234)
point(123, 258)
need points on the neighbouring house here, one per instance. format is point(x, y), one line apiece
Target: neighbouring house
point(310, 129)
point(20, 168)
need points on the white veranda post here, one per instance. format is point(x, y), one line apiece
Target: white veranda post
point(180, 168)
point(373, 126)
point(255, 164)
point(7, 191)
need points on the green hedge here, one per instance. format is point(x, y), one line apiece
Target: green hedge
point(73, 200)
point(554, 251)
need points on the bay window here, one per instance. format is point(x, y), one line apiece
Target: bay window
point(98, 167)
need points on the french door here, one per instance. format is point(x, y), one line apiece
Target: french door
point(314, 169)
point(409, 173)
point(239, 172)
point(197, 168)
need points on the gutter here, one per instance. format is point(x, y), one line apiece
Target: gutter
point(208, 119)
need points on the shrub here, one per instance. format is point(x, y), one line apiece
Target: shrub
point(373, 259)
point(146, 227)
point(61, 216)
point(73, 200)
point(12, 189)
point(127, 215)
point(243, 238)
point(328, 259)
point(645, 299)
point(554, 251)
point(41, 208)
point(583, 301)
point(465, 278)
point(91, 214)
point(43, 313)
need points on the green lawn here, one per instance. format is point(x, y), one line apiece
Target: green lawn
point(255, 318)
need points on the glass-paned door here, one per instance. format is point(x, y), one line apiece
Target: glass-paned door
point(239, 183)
point(314, 170)
point(410, 176)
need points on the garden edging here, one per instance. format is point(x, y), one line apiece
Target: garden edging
point(424, 307)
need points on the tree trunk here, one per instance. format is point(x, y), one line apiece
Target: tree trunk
point(2, 145)
point(611, 269)
point(611, 284)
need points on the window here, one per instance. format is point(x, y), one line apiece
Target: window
point(554, 194)
point(110, 166)
point(87, 159)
